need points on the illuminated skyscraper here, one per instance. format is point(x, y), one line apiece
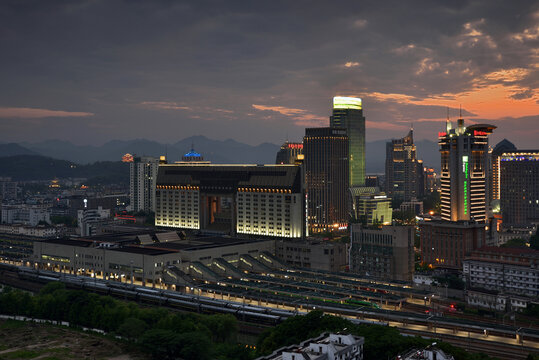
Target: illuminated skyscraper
point(404, 172)
point(500, 148)
point(464, 153)
point(326, 178)
point(348, 114)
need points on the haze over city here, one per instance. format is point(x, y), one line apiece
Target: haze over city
point(93, 71)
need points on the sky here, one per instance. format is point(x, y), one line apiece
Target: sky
point(261, 71)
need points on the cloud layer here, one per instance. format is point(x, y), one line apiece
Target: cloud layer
point(263, 71)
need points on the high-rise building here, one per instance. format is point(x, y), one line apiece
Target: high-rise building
point(348, 114)
point(464, 178)
point(404, 171)
point(500, 148)
point(430, 180)
point(264, 200)
point(446, 243)
point(143, 176)
point(289, 153)
point(519, 188)
point(326, 177)
point(385, 253)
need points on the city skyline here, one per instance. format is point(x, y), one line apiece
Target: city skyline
point(264, 72)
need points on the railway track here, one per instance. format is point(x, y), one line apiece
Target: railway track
point(501, 351)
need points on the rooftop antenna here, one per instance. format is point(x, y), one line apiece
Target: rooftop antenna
point(447, 122)
point(461, 127)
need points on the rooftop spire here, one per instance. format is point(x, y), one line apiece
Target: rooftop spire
point(447, 122)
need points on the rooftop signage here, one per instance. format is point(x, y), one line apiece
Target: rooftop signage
point(341, 102)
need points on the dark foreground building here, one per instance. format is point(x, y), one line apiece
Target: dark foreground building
point(519, 187)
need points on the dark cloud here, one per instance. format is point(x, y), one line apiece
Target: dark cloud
point(119, 60)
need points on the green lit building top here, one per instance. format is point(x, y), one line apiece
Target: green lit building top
point(348, 114)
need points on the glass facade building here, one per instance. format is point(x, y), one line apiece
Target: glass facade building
point(348, 114)
point(326, 178)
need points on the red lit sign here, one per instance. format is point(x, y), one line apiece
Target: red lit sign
point(295, 146)
point(442, 134)
point(479, 133)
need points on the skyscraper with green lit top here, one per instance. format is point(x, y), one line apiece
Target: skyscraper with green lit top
point(348, 114)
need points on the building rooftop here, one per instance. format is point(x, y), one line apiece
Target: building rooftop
point(523, 251)
point(327, 346)
point(227, 178)
point(143, 250)
point(203, 242)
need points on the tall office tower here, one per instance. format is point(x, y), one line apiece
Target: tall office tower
point(348, 114)
point(403, 170)
point(143, 176)
point(326, 177)
point(289, 153)
point(500, 148)
point(519, 187)
point(464, 179)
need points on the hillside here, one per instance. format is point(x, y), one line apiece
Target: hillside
point(34, 167)
point(216, 151)
point(13, 149)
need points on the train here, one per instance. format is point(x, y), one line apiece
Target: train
point(173, 299)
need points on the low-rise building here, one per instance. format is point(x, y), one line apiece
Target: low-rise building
point(87, 220)
point(431, 352)
point(25, 214)
point(495, 300)
point(413, 205)
point(372, 206)
point(35, 231)
point(506, 270)
point(325, 347)
point(313, 254)
point(144, 256)
point(385, 253)
point(8, 189)
point(446, 243)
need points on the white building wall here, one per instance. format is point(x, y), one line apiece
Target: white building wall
point(269, 213)
point(178, 206)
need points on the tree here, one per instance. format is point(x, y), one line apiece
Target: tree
point(132, 328)
point(404, 217)
point(432, 202)
point(534, 241)
point(515, 243)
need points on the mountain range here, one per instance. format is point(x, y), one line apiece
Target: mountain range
point(217, 151)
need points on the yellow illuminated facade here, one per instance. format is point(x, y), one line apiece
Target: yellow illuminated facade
point(269, 212)
point(342, 102)
point(177, 206)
